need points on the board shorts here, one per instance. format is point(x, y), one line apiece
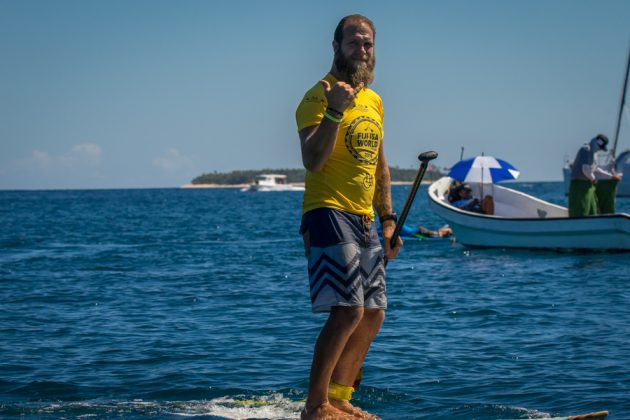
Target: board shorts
point(345, 260)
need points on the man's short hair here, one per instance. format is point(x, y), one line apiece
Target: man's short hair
point(352, 20)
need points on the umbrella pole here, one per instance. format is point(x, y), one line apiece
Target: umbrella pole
point(481, 198)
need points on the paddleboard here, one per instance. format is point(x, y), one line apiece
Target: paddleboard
point(597, 415)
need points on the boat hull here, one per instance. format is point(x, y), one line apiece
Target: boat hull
point(272, 183)
point(547, 227)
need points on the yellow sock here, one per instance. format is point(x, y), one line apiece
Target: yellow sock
point(339, 392)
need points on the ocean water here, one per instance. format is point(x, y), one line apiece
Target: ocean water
point(172, 303)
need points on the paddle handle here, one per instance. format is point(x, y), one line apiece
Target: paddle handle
point(424, 159)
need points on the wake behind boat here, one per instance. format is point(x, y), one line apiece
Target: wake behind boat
point(524, 221)
point(272, 182)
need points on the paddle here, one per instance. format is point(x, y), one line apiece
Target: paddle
point(424, 159)
point(622, 104)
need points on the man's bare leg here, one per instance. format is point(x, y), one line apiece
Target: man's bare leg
point(353, 356)
point(332, 340)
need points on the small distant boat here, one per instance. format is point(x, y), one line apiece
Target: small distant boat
point(523, 221)
point(272, 182)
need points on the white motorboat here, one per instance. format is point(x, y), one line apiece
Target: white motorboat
point(272, 182)
point(524, 221)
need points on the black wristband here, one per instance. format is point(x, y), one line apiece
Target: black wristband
point(334, 111)
point(391, 216)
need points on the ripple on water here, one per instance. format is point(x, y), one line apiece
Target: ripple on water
point(167, 303)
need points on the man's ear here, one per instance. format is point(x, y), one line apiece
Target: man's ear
point(335, 46)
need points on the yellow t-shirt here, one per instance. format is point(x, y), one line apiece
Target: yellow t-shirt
point(347, 180)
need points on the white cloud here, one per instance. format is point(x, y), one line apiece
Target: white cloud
point(79, 156)
point(41, 158)
point(89, 151)
point(174, 161)
point(78, 167)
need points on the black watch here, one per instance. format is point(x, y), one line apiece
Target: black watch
point(391, 216)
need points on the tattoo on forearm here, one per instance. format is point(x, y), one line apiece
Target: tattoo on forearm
point(382, 193)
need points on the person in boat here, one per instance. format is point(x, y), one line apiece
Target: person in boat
point(463, 199)
point(606, 186)
point(452, 191)
point(584, 178)
point(408, 231)
point(443, 232)
point(341, 136)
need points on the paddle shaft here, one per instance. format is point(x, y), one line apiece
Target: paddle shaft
point(622, 104)
point(424, 162)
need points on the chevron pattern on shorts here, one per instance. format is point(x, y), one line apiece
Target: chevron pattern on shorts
point(376, 272)
point(375, 279)
point(326, 272)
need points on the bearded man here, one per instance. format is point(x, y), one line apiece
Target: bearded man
point(340, 124)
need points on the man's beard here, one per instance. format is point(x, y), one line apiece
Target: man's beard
point(354, 73)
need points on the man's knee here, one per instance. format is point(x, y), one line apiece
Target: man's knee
point(346, 317)
point(374, 316)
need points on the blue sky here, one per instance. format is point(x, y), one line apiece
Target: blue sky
point(151, 93)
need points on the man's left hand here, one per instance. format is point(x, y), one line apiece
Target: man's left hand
point(388, 231)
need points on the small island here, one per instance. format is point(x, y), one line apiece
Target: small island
point(243, 178)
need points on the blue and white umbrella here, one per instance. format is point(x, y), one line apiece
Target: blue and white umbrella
point(483, 169)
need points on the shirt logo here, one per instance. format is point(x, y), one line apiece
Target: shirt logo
point(363, 139)
point(368, 182)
